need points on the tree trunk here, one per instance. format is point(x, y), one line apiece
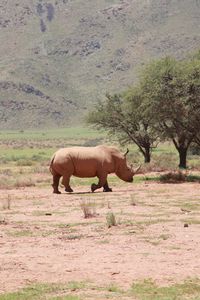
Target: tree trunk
point(147, 155)
point(182, 158)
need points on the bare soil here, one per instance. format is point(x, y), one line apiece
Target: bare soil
point(45, 238)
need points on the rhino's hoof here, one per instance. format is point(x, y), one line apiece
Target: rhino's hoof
point(93, 187)
point(69, 190)
point(107, 190)
point(56, 192)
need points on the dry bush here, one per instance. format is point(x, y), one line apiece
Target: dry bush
point(7, 203)
point(88, 208)
point(174, 177)
point(24, 163)
point(111, 220)
point(5, 182)
point(160, 163)
point(24, 182)
point(6, 172)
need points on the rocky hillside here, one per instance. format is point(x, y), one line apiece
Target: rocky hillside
point(58, 57)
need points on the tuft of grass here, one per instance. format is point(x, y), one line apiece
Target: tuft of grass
point(7, 203)
point(88, 209)
point(111, 220)
point(2, 220)
point(114, 289)
point(76, 285)
point(21, 233)
point(24, 162)
point(132, 201)
point(74, 237)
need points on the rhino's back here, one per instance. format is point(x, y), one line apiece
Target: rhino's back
point(86, 161)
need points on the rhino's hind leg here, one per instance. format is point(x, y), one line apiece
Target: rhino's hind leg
point(65, 182)
point(55, 184)
point(106, 188)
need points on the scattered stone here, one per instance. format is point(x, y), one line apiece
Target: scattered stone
point(186, 225)
point(115, 273)
point(185, 210)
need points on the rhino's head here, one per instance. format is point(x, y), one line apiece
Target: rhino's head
point(124, 171)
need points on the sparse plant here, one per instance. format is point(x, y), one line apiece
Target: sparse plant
point(111, 220)
point(132, 201)
point(174, 177)
point(22, 182)
point(113, 288)
point(108, 204)
point(2, 220)
point(7, 203)
point(88, 209)
point(74, 237)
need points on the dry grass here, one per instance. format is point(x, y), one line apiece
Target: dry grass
point(88, 208)
point(174, 177)
point(7, 203)
point(111, 220)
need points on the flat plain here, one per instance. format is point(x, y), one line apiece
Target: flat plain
point(142, 241)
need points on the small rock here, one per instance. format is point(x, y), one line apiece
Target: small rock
point(186, 225)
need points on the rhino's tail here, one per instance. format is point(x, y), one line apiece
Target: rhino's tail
point(51, 164)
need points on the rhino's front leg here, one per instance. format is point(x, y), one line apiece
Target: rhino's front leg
point(101, 183)
point(106, 188)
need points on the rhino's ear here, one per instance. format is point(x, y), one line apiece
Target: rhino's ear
point(127, 151)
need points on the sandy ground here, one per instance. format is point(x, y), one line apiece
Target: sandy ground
point(45, 238)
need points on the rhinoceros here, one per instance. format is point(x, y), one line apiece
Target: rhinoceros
point(85, 162)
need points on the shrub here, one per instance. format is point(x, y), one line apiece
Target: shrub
point(24, 162)
point(7, 203)
point(111, 220)
point(173, 177)
point(194, 149)
point(88, 209)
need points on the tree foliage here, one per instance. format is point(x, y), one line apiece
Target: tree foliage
point(171, 90)
point(165, 105)
point(123, 117)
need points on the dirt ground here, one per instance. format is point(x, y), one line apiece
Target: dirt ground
point(45, 238)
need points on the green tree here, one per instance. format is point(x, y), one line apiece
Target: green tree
point(122, 115)
point(171, 90)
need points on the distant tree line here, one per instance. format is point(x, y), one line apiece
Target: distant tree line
point(164, 105)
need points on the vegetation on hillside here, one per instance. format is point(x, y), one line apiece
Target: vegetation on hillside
point(59, 57)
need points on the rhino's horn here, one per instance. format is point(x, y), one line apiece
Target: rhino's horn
point(137, 169)
point(127, 151)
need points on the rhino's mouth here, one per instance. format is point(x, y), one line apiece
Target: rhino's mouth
point(130, 180)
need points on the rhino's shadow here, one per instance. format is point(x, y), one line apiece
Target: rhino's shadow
point(83, 193)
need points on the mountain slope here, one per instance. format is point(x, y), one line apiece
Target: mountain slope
point(58, 57)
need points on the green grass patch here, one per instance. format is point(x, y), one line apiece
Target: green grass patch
point(145, 290)
point(21, 233)
point(57, 133)
point(42, 292)
point(148, 290)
